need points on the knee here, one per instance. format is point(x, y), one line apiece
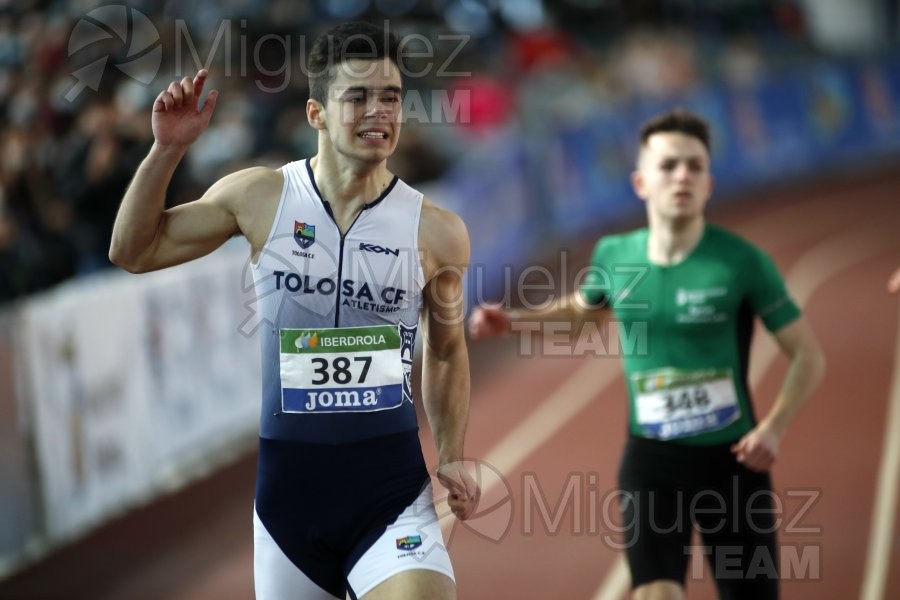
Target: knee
point(659, 590)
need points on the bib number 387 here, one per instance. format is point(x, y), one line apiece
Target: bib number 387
point(351, 369)
point(672, 403)
point(338, 370)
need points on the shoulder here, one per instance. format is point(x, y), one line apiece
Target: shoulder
point(729, 240)
point(758, 269)
point(253, 182)
point(632, 243)
point(636, 238)
point(247, 187)
point(442, 236)
point(251, 196)
point(725, 243)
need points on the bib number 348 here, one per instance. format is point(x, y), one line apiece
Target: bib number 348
point(672, 403)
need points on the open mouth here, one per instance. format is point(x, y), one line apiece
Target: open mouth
point(373, 135)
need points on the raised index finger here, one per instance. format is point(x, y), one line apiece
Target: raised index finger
point(199, 82)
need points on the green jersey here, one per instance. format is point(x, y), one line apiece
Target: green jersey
point(688, 382)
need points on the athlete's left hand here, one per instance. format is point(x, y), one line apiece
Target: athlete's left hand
point(464, 490)
point(758, 449)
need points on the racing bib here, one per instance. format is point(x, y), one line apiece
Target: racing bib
point(351, 369)
point(673, 403)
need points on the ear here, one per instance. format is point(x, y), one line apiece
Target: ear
point(315, 114)
point(637, 184)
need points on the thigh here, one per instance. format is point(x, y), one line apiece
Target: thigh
point(657, 527)
point(741, 548)
point(412, 585)
point(319, 507)
point(657, 534)
point(408, 559)
point(659, 590)
point(276, 577)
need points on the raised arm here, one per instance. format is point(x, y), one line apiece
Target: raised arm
point(147, 237)
point(759, 448)
point(445, 369)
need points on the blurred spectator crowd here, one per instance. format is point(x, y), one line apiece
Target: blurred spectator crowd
point(67, 153)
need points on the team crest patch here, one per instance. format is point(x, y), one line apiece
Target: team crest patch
point(410, 542)
point(304, 234)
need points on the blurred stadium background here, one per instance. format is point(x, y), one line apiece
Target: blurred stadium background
point(126, 401)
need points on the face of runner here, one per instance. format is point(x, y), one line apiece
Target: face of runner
point(363, 113)
point(673, 176)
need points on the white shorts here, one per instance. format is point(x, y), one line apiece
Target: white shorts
point(413, 541)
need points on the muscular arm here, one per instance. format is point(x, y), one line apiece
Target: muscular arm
point(148, 237)
point(759, 448)
point(445, 369)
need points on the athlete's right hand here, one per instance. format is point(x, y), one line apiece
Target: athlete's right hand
point(176, 120)
point(464, 492)
point(894, 282)
point(489, 320)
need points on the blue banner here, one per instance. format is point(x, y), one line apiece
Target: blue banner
point(521, 196)
point(829, 114)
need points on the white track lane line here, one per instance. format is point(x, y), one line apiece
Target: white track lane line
point(553, 414)
point(881, 533)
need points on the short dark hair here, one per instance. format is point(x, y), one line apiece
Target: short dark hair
point(347, 41)
point(678, 120)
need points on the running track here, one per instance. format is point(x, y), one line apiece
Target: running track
point(550, 425)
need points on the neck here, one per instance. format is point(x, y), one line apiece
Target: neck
point(348, 187)
point(671, 241)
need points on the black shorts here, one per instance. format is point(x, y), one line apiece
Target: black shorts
point(668, 490)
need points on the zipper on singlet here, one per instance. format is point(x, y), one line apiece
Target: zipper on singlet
point(337, 295)
point(327, 205)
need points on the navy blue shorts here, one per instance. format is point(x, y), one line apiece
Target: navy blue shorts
point(325, 505)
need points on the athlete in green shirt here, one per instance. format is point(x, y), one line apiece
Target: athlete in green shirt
point(696, 450)
point(690, 384)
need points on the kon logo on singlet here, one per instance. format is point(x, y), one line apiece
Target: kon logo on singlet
point(351, 369)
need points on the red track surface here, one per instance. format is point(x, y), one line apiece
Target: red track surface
point(197, 544)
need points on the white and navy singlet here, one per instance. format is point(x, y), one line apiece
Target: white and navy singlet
point(340, 463)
